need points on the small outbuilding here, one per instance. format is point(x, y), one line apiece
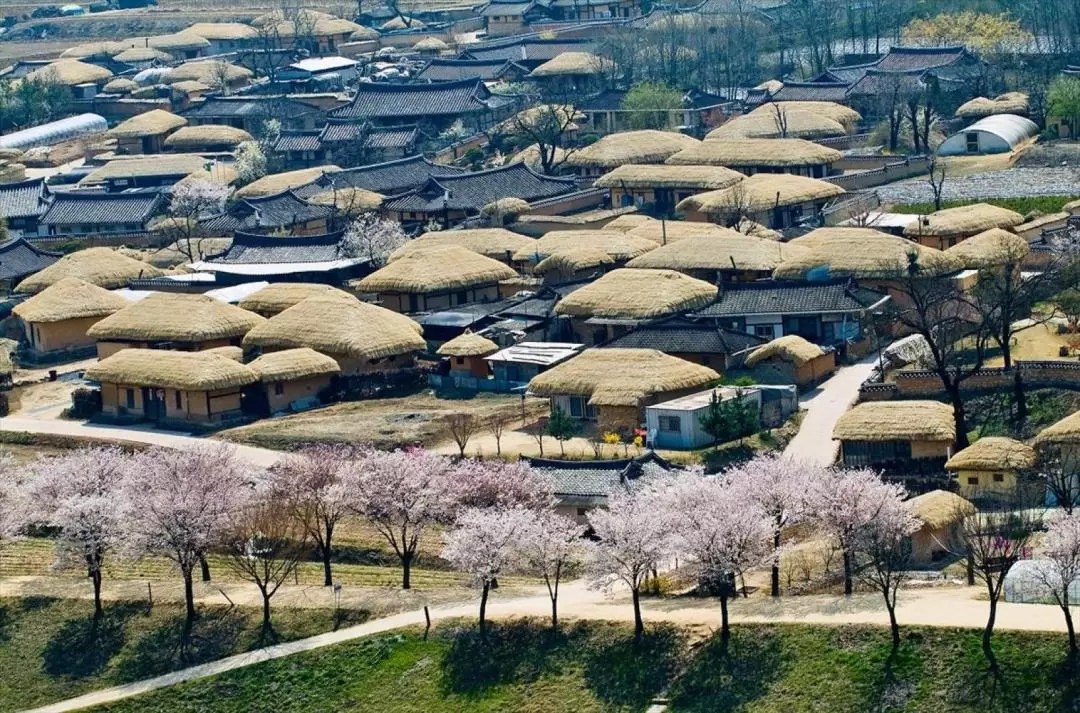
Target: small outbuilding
point(207, 137)
point(940, 513)
point(791, 360)
point(949, 226)
point(55, 320)
point(774, 200)
point(676, 424)
point(293, 378)
point(909, 436)
point(466, 355)
point(519, 363)
point(989, 466)
point(999, 133)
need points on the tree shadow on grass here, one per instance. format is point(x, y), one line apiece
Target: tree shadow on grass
point(216, 634)
point(726, 676)
point(84, 646)
point(519, 652)
point(622, 672)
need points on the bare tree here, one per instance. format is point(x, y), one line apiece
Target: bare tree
point(495, 426)
point(1058, 470)
point(463, 426)
point(192, 200)
point(936, 178)
point(780, 120)
point(545, 126)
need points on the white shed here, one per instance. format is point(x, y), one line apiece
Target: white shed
point(999, 133)
point(676, 424)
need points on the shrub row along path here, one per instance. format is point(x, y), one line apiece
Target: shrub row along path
point(949, 606)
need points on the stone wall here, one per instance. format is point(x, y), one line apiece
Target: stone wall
point(926, 384)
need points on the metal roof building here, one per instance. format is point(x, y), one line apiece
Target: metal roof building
point(54, 132)
point(999, 133)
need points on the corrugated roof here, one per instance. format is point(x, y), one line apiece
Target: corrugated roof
point(1009, 127)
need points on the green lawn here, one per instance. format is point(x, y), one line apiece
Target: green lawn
point(1023, 206)
point(50, 650)
point(594, 667)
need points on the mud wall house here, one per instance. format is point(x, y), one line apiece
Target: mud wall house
point(776, 201)
point(210, 73)
point(951, 226)
point(103, 267)
point(798, 157)
point(146, 133)
point(612, 387)
point(362, 338)
point(172, 388)
point(939, 513)
point(663, 186)
point(990, 466)
point(562, 256)
point(206, 138)
point(296, 258)
point(465, 355)
point(813, 121)
point(96, 213)
point(122, 174)
point(896, 435)
point(697, 341)
point(790, 360)
point(504, 19)
point(292, 379)
point(627, 147)
point(55, 321)
point(719, 255)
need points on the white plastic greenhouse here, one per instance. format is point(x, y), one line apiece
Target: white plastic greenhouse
point(1024, 585)
point(54, 132)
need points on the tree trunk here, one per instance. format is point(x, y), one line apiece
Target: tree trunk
point(893, 625)
point(95, 577)
point(406, 568)
point(204, 567)
point(328, 576)
point(483, 609)
point(988, 632)
point(959, 417)
point(1073, 650)
point(970, 571)
point(1019, 396)
point(266, 610)
point(189, 618)
point(847, 573)
point(725, 625)
point(639, 625)
point(776, 565)
point(554, 613)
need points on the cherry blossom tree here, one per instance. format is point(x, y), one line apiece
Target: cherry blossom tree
point(403, 493)
point(483, 544)
point(842, 502)
point(778, 486)
point(490, 483)
point(191, 200)
point(80, 494)
point(11, 501)
point(550, 544)
point(722, 528)
point(317, 485)
point(179, 502)
point(1060, 567)
point(885, 541)
point(373, 237)
point(633, 539)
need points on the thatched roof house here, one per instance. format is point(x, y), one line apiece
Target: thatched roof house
point(207, 137)
point(279, 182)
point(656, 176)
point(495, 243)
point(189, 321)
point(402, 22)
point(627, 294)
point(843, 115)
point(617, 245)
point(1065, 432)
point(104, 48)
point(98, 266)
point(138, 55)
point(431, 44)
point(896, 433)
point(178, 43)
point(951, 225)
point(212, 73)
point(751, 156)
point(572, 262)
point(573, 64)
point(863, 253)
point(361, 337)
point(763, 123)
point(186, 371)
point(56, 319)
point(629, 221)
point(69, 72)
point(350, 201)
point(466, 345)
point(222, 30)
point(993, 453)
point(939, 511)
point(791, 348)
point(990, 248)
point(1008, 103)
point(279, 296)
point(727, 252)
point(637, 147)
point(294, 378)
point(663, 232)
point(760, 196)
point(790, 359)
point(120, 85)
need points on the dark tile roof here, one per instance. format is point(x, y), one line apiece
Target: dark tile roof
point(280, 210)
point(530, 52)
point(908, 59)
point(387, 178)
point(376, 138)
point(472, 191)
point(812, 91)
point(608, 100)
point(599, 479)
point(875, 83)
point(391, 138)
point(506, 8)
point(387, 101)
point(93, 208)
point(19, 258)
point(452, 70)
point(243, 107)
point(684, 336)
point(25, 199)
point(769, 297)
point(251, 249)
point(298, 141)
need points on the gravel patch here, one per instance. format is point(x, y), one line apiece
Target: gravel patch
point(1010, 183)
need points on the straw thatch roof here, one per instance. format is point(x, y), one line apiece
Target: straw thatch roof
point(338, 324)
point(229, 352)
point(621, 377)
point(431, 44)
point(350, 201)
point(762, 124)
point(223, 173)
point(646, 146)
point(120, 86)
point(508, 206)
point(1067, 430)
point(572, 260)
point(143, 54)
point(70, 298)
point(778, 153)
point(990, 248)
point(540, 116)
point(757, 230)
point(468, 344)
point(491, 242)
point(660, 176)
point(178, 42)
point(1042, 221)
point(197, 138)
point(441, 269)
point(208, 72)
point(188, 86)
point(628, 222)
point(897, 421)
point(1008, 103)
point(663, 232)
point(176, 317)
point(70, 72)
point(843, 115)
point(939, 508)
point(964, 220)
point(759, 193)
point(293, 364)
point(278, 182)
point(637, 294)
point(363, 34)
point(530, 156)
point(863, 253)
point(772, 86)
point(98, 266)
point(104, 48)
point(149, 123)
point(619, 246)
point(402, 22)
point(573, 63)
point(305, 15)
point(791, 348)
point(723, 251)
point(222, 30)
point(993, 453)
point(161, 369)
point(279, 296)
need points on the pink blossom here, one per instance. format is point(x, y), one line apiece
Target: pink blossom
point(490, 483)
point(549, 545)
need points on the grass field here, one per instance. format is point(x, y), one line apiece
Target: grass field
point(1023, 206)
point(595, 667)
point(49, 649)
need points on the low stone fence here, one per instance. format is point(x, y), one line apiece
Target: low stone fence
point(887, 173)
point(927, 384)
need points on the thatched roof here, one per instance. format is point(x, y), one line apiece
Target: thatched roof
point(120, 86)
point(762, 124)
point(573, 63)
point(490, 242)
point(69, 298)
point(338, 324)
point(1067, 430)
point(280, 296)
point(197, 138)
point(897, 421)
point(468, 344)
point(702, 178)
point(637, 294)
point(530, 156)
point(572, 260)
point(222, 30)
point(188, 86)
point(278, 182)
point(646, 146)
point(305, 15)
point(350, 201)
point(1042, 221)
point(621, 377)
point(663, 232)
point(993, 453)
point(791, 348)
point(363, 34)
point(104, 48)
point(964, 220)
point(843, 115)
point(293, 364)
point(176, 317)
point(149, 123)
point(161, 369)
point(98, 266)
point(143, 54)
point(761, 192)
point(442, 269)
point(539, 116)
point(431, 44)
point(508, 206)
point(178, 42)
point(757, 230)
point(863, 253)
point(779, 153)
point(939, 508)
point(222, 173)
point(229, 352)
point(721, 251)
point(208, 72)
point(1008, 103)
point(619, 246)
point(772, 86)
point(70, 72)
point(626, 223)
point(402, 22)
point(990, 248)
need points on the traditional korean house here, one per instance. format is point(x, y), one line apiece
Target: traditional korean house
point(991, 467)
point(207, 138)
point(306, 258)
point(628, 147)
point(529, 52)
point(388, 179)
point(726, 256)
point(249, 112)
point(505, 18)
point(750, 156)
point(277, 297)
point(939, 513)
point(790, 360)
point(55, 320)
point(278, 213)
point(465, 356)
point(22, 204)
point(146, 133)
point(439, 103)
point(907, 436)
point(292, 379)
point(122, 174)
point(518, 363)
point(19, 259)
point(455, 70)
point(773, 200)
point(663, 186)
point(99, 266)
point(946, 228)
point(92, 213)
point(697, 341)
point(496, 243)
